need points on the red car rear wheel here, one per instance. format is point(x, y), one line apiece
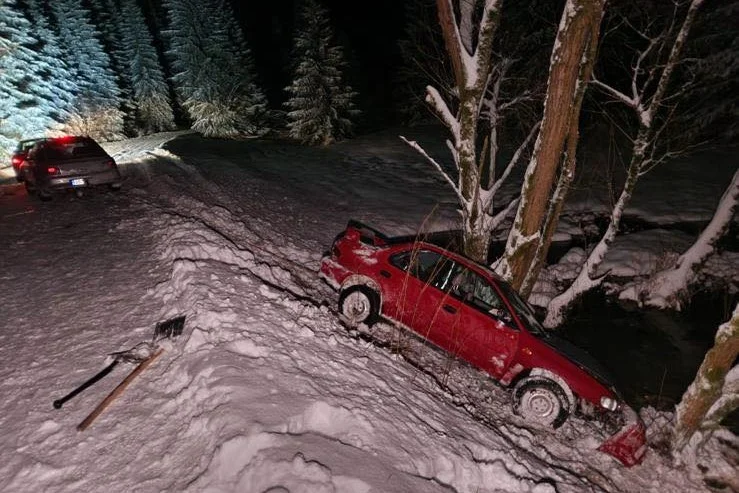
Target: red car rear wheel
point(359, 304)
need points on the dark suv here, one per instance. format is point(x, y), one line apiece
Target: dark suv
point(68, 163)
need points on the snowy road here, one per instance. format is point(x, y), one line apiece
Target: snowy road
point(265, 391)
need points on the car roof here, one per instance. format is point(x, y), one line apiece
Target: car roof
point(28, 141)
point(449, 253)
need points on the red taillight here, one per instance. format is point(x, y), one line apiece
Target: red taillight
point(52, 170)
point(16, 160)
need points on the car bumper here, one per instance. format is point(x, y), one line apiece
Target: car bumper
point(107, 177)
point(629, 444)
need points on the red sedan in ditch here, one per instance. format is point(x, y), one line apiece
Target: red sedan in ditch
point(464, 308)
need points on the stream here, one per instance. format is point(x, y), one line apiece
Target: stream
point(653, 355)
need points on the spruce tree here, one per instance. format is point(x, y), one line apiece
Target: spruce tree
point(320, 106)
point(98, 101)
point(30, 104)
point(212, 71)
point(52, 73)
point(149, 88)
point(108, 19)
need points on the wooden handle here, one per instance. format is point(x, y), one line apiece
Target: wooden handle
point(117, 391)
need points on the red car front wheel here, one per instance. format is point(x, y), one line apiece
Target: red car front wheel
point(542, 401)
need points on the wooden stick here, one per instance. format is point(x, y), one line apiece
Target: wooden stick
point(118, 390)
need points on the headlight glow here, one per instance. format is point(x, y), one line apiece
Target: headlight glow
point(608, 403)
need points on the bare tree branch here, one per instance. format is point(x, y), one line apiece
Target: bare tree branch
point(436, 165)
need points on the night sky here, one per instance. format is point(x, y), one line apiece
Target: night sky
point(368, 32)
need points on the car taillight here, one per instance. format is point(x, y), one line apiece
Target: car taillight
point(16, 160)
point(52, 170)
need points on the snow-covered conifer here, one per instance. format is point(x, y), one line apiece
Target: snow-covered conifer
point(213, 74)
point(108, 19)
point(149, 88)
point(97, 104)
point(321, 105)
point(31, 102)
point(54, 78)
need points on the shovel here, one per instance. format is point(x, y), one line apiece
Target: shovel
point(163, 330)
point(139, 353)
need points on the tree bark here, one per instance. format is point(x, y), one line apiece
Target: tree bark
point(577, 35)
point(707, 388)
point(567, 173)
point(471, 70)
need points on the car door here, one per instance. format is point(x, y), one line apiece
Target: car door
point(409, 293)
point(482, 331)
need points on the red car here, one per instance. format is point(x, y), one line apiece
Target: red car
point(19, 156)
point(466, 309)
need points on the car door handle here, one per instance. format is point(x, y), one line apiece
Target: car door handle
point(449, 308)
point(385, 273)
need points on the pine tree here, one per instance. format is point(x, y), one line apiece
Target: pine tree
point(108, 19)
point(97, 104)
point(149, 88)
point(320, 106)
point(30, 104)
point(212, 70)
point(52, 73)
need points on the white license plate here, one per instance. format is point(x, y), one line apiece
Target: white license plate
point(78, 182)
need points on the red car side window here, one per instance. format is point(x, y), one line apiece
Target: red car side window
point(427, 266)
point(477, 292)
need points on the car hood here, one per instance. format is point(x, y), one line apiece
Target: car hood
point(581, 358)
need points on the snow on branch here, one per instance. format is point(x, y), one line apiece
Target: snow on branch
point(421, 151)
point(615, 93)
point(668, 288)
point(434, 98)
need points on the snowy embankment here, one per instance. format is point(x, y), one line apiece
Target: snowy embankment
point(265, 390)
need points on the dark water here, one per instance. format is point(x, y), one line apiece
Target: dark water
point(652, 355)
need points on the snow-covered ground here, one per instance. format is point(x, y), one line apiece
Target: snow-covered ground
point(265, 391)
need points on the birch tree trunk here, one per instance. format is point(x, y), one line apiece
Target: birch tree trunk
point(578, 33)
point(715, 391)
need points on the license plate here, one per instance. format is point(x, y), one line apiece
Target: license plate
point(78, 182)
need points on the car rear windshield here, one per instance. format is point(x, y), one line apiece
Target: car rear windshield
point(73, 149)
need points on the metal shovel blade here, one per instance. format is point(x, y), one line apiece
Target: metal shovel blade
point(170, 328)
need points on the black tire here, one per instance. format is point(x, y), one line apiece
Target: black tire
point(359, 304)
point(541, 400)
point(30, 188)
point(44, 195)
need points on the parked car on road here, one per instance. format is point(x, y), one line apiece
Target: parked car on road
point(18, 158)
point(464, 308)
point(68, 162)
